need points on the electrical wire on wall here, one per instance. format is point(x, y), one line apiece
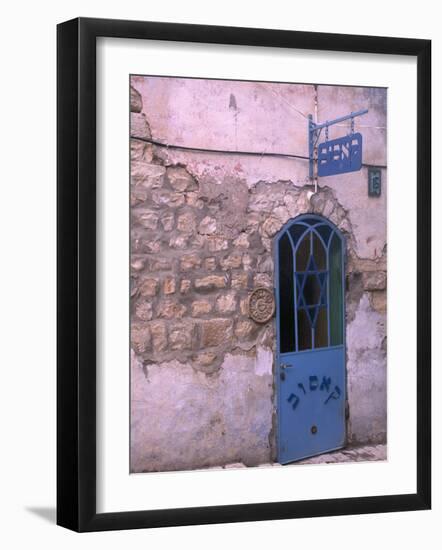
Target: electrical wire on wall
point(230, 152)
point(218, 151)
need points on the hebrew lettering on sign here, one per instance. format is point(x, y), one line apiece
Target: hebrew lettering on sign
point(296, 400)
point(334, 395)
point(325, 384)
point(340, 155)
point(312, 386)
point(314, 383)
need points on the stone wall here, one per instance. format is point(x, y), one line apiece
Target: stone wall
point(201, 240)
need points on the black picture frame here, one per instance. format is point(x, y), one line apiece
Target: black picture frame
point(77, 287)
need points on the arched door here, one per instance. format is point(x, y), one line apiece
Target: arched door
point(309, 273)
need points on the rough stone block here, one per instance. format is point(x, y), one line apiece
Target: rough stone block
point(239, 280)
point(211, 282)
point(291, 203)
point(152, 246)
point(158, 331)
point(149, 287)
point(146, 218)
point(345, 226)
point(205, 358)
point(149, 176)
point(180, 179)
point(328, 208)
point(363, 264)
point(215, 332)
point(186, 222)
point(169, 285)
point(160, 264)
point(170, 309)
point(242, 241)
point(185, 286)
point(263, 279)
point(210, 264)
point(247, 262)
point(216, 244)
point(226, 303)
point(136, 103)
point(303, 201)
point(137, 263)
point(143, 311)
point(374, 280)
point(271, 226)
point(244, 306)
point(140, 338)
point(139, 127)
point(138, 195)
point(233, 261)
point(318, 202)
point(207, 226)
point(201, 307)
point(192, 199)
point(265, 264)
point(179, 242)
point(262, 202)
point(163, 197)
point(267, 243)
point(282, 214)
point(189, 262)
point(181, 336)
point(133, 286)
point(167, 221)
point(378, 300)
point(140, 150)
point(246, 329)
point(197, 241)
point(337, 215)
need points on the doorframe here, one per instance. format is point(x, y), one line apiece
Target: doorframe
point(277, 381)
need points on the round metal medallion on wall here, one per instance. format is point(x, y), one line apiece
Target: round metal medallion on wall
point(261, 305)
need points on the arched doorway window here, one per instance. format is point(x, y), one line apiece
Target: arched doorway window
point(310, 285)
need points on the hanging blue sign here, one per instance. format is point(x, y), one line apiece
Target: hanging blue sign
point(340, 155)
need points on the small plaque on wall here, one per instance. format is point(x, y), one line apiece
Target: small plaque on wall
point(374, 182)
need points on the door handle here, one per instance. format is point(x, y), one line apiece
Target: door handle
point(282, 368)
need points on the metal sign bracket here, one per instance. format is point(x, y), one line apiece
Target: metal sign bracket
point(314, 132)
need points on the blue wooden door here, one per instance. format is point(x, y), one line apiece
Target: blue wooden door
point(310, 373)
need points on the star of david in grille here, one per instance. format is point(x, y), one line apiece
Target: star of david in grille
point(311, 290)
